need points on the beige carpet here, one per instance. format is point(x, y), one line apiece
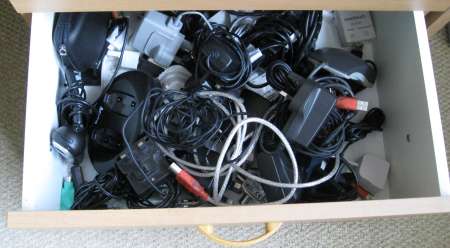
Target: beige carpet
point(420, 231)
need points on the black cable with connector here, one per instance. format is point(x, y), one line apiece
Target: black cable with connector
point(277, 76)
point(73, 107)
point(96, 193)
point(372, 121)
point(288, 36)
point(181, 120)
point(221, 58)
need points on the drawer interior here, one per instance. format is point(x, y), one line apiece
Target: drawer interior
point(405, 89)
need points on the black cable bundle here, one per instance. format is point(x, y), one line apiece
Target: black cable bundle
point(331, 136)
point(96, 193)
point(372, 121)
point(73, 107)
point(278, 115)
point(221, 58)
point(169, 192)
point(113, 185)
point(310, 23)
point(276, 37)
point(181, 120)
point(287, 36)
point(277, 77)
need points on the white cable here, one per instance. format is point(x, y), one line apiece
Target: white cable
point(178, 20)
point(239, 130)
point(216, 199)
point(240, 110)
point(292, 185)
point(227, 144)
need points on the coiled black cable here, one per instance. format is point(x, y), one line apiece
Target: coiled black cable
point(288, 36)
point(372, 121)
point(73, 108)
point(277, 77)
point(96, 193)
point(113, 185)
point(275, 37)
point(170, 190)
point(181, 120)
point(310, 23)
point(221, 58)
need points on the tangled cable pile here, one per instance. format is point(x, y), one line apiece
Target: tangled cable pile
point(211, 133)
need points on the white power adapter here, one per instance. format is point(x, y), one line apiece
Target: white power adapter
point(354, 26)
point(373, 172)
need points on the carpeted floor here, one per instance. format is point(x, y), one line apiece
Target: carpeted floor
point(419, 231)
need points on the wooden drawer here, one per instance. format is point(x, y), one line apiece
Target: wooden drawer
point(27, 6)
point(412, 141)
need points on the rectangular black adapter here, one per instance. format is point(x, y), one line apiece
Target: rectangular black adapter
point(309, 108)
point(152, 162)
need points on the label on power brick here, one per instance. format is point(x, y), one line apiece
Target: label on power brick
point(355, 26)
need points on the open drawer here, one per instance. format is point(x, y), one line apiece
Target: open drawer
point(412, 141)
point(28, 6)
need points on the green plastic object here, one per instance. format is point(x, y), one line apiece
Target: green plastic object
point(67, 195)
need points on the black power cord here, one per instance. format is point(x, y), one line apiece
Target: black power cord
point(181, 120)
point(288, 36)
point(96, 193)
point(221, 58)
point(113, 185)
point(355, 131)
point(278, 115)
point(170, 191)
point(275, 37)
point(73, 108)
point(277, 77)
point(372, 121)
point(310, 23)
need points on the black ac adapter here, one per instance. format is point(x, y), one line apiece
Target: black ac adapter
point(309, 108)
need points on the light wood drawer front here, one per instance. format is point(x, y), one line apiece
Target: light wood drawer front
point(28, 6)
point(228, 215)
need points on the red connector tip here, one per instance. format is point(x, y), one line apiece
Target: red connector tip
point(350, 103)
point(189, 182)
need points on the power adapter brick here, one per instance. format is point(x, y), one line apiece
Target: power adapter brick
point(159, 37)
point(354, 26)
point(373, 172)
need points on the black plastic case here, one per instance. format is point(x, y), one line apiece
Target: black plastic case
point(80, 41)
point(123, 96)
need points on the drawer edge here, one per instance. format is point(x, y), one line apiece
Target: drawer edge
point(433, 105)
point(25, 6)
point(227, 215)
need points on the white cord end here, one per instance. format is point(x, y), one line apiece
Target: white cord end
point(175, 168)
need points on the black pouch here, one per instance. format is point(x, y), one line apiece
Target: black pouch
point(80, 43)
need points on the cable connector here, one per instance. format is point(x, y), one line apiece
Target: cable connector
point(350, 103)
point(189, 182)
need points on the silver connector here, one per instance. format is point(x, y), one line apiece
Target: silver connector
point(175, 168)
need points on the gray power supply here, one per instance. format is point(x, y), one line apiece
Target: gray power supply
point(159, 37)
